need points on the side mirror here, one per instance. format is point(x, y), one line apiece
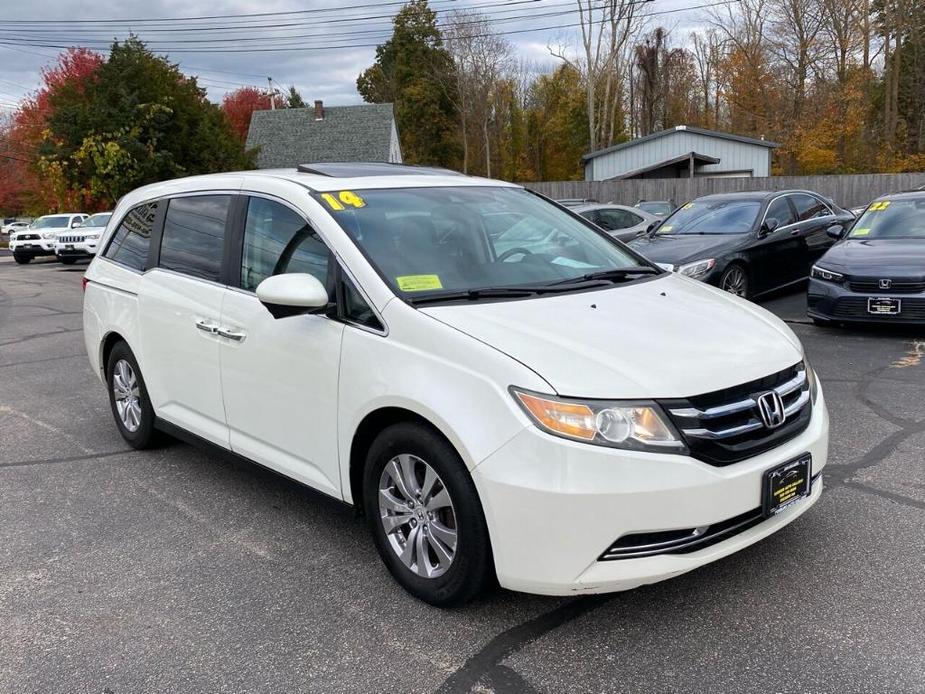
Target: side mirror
point(76, 223)
point(836, 231)
point(653, 226)
point(769, 226)
point(292, 294)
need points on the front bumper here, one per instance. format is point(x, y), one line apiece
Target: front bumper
point(33, 248)
point(836, 302)
point(85, 249)
point(554, 506)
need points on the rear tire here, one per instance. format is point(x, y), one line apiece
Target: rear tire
point(426, 517)
point(68, 261)
point(22, 259)
point(128, 398)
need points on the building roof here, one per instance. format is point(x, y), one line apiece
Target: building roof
point(289, 137)
point(682, 128)
point(674, 161)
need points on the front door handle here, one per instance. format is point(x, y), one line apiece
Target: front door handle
point(206, 326)
point(235, 335)
point(795, 232)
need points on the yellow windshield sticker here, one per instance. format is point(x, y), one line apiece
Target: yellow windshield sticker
point(665, 228)
point(688, 206)
point(879, 206)
point(418, 283)
point(343, 200)
point(861, 232)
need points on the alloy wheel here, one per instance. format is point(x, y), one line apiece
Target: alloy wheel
point(417, 515)
point(735, 281)
point(127, 395)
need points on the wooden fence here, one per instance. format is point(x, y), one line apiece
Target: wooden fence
point(847, 191)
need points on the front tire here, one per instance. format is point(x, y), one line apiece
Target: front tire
point(426, 517)
point(735, 281)
point(128, 398)
point(22, 259)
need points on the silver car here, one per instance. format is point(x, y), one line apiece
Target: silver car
point(621, 222)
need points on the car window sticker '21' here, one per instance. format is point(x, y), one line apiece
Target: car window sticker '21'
point(342, 200)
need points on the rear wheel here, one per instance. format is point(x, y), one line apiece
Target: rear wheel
point(68, 261)
point(21, 259)
point(425, 516)
point(128, 398)
point(735, 280)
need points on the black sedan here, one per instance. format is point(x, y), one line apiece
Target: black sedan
point(746, 243)
point(876, 273)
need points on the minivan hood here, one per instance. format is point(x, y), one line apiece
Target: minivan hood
point(663, 338)
point(685, 248)
point(877, 257)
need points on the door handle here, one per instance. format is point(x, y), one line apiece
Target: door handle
point(235, 335)
point(206, 326)
point(795, 232)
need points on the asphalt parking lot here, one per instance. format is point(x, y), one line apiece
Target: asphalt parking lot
point(176, 571)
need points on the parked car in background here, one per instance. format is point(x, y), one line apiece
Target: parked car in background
point(876, 272)
point(572, 202)
point(745, 243)
point(620, 221)
point(543, 416)
point(857, 211)
point(81, 241)
point(659, 208)
point(38, 239)
point(12, 227)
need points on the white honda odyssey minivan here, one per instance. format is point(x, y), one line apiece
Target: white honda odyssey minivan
point(556, 414)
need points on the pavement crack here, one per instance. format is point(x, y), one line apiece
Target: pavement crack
point(68, 459)
point(505, 644)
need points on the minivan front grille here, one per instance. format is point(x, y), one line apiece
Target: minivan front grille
point(725, 426)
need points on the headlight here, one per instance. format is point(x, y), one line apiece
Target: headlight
point(698, 268)
point(639, 426)
point(820, 273)
point(92, 237)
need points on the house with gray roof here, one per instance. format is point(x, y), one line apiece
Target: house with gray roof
point(292, 136)
point(681, 152)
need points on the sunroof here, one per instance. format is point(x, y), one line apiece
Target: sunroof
point(375, 168)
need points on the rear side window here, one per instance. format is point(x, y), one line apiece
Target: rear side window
point(276, 241)
point(131, 240)
point(809, 207)
point(781, 211)
point(194, 235)
point(618, 219)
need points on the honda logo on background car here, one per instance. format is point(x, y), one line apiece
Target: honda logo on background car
point(886, 284)
point(771, 409)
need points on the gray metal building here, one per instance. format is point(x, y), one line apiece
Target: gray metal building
point(292, 136)
point(681, 152)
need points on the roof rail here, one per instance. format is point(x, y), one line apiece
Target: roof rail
point(372, 168)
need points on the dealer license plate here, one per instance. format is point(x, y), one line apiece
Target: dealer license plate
point(883, 306)
point(786, 484)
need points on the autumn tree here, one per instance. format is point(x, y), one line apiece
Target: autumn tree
point(240, 104)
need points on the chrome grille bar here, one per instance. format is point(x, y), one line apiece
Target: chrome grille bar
point(783, 390)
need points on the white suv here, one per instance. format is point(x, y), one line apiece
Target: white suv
point(82, 241)
point(38, 238)
point(566, 417)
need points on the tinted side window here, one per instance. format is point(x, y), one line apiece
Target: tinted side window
point(355, 309)
point(619, 219)
point(809, 207)
point(277, 241)
point(130, 242)
point(194, 235)
point(780, 210)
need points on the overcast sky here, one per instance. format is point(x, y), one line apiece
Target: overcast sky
point(341, 35)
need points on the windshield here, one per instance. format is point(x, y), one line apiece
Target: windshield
point(426, 241)
point(713, 217)
point(662, 209)
point(97, 220)
point(891, 219)
point(50, 223)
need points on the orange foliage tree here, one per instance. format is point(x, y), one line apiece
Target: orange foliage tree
point(240, 104)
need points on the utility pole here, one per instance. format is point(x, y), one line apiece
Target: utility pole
point(272, 94)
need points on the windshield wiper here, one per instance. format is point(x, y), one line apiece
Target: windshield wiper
point(616, 274)
point(476, 294)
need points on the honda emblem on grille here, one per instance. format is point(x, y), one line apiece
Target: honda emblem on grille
point(886, 284)
point(771, 409)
